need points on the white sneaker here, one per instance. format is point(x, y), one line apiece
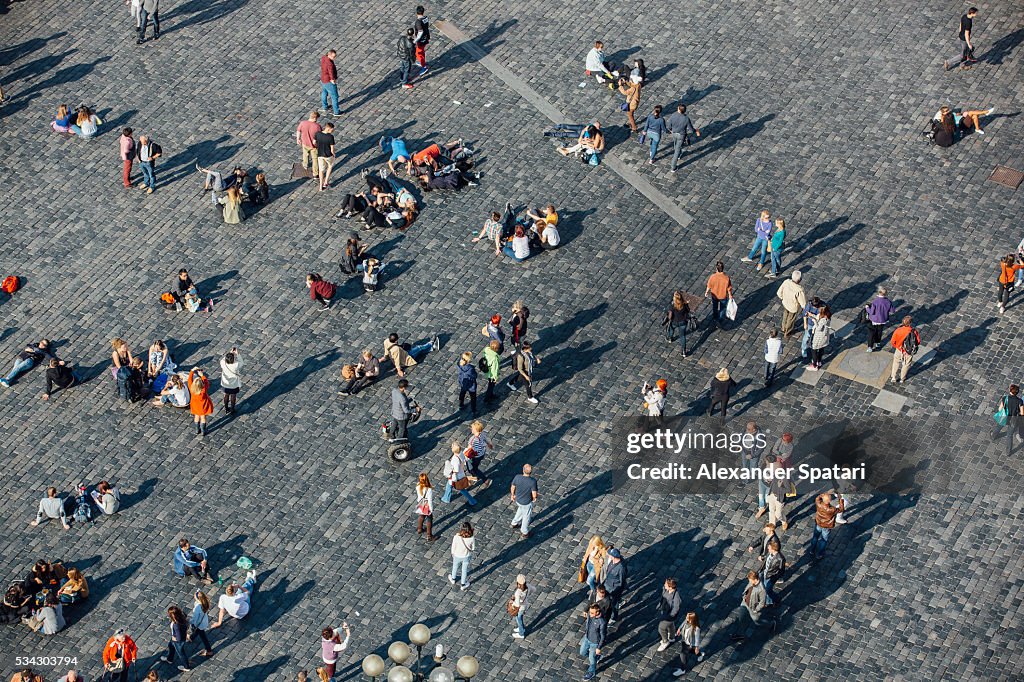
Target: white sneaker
point(989, 112)
point(678, 672)
point(512, 387)
point(451, 580)
point(746, 260)
point(517, 635)
point(250, 574)
point(532, 400)
point(664, 645)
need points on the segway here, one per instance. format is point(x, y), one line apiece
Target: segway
point(399, 449)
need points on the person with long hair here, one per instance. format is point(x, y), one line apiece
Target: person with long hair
point(86, 122)
point(200, 621)
point(331, 644)
point(463, 545)
point(425, 507)
point(1008, 268)
point(200, 404)
point(121, 355)
point(176, 645)
point(232, 212)
point(631, 90)
point(593, 562)
point(821, 337)
point(520, 602)
point(61, 122)
point(519, 248)
point(75, 588)
point(689, 644)
point(677, 317)
point(964, 120)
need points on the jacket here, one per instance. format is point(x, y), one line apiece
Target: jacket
point(595, 630)
point(493, 364)
point(229, 373)
point(670, 605)
point(778, 241)
point(401, 404)
point(792, 296)
point(762, 541)
point(774, 565)
point(324, 288)
point(762, 228)
point(825, 512)
point(328, 71)
point(821, 334)
point(690, 635)
point(614, 578)
point(720, 389)
point(181, 561)
point(467, 377)
point(1008, 273)
point(754, 599)
point(879, 310)
point(901, 334)
point(632, 93)
point(129, 652)
point(200, 619)
point(406, 50)
point(655, 125)
point(398, 355)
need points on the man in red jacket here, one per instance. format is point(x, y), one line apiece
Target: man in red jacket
point(904, 349)
point(329, 81)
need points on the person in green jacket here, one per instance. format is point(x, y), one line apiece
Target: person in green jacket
point(493, 360)
point(776, 245)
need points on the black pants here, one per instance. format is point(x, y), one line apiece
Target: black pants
point(145, 17)
point(687, 657)
point(230, 397)
point(195, 571)
point(355, 385)
point(1004, 293)
point(489, 395)
point(374, 218)
point(514, 381)
point(201, 634)
point(399, 428)
point(874, 334)
point(816, 355)
point(717, 400)
point(472, 399)
point(353, 203)
point(1014, 426)
point(474, 468)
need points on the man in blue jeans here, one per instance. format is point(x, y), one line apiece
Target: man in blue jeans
point(26, 360)
point(236, 600)
point(824, 521)
point(329, 81)
point(594, 632)
point(524, 494)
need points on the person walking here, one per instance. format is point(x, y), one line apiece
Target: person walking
point(772, 570)
point(721, 387)
point(793, 298)
point(1008, 268)
point(176, 645)
point(754, 602)
point(524, 493)
point(677, 317)
point(467, 380)
point(523, 363)
point(421, 38)
point(681, 127)
point(479, 445)
point(425, 507)
point(329, 81)
point(775, 246)
point(463, 546)
point(230, 381)
point(631, 91)
point(402, 409)
point(824, 521)
point(905, 342)
point(654, 128)
point(520, 313)
point(772, 355)
point(966, 36)
point(593, 563)
point(754, 444)
point(669, 607)
point(456, 470)
point(150, 10)
point(325, 154)
point(762, 235)
point(406, 54)
point(199, 404)
point(761, 542)
point(778, 486)
point(595, 630)
point(199, 621)
point(127, 143)
point(518, 603)
point(1011, 403)
point(689, 644)
point(878, 312)
point(492, 363)
point(821, 337)
point(719, 290)
point(147, 152)
point(654, 398)
point(305, 137)
point(614, 580)
point(119, 654)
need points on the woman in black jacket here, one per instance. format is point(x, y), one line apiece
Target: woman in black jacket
point(721, 385)
point(677, 317)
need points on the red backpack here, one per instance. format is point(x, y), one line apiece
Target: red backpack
point(10, 284)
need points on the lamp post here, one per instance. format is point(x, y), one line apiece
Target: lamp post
point(373, 666)
point(441, 675)
point(467, 667)
point(419, 635)
point(400, 674)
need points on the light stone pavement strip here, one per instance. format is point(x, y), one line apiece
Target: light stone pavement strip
point(813, 111)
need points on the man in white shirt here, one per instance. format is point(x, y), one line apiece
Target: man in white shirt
point(235, 600)
point(772, 355)
point(599, 67)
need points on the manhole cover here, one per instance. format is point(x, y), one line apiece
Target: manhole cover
point(1007, 177)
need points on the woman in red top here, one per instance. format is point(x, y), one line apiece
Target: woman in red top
point(200, 405)
point(1008, 268)
point(118, 655)
point(320, 290)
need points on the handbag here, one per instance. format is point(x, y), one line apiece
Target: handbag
point(423, 507)
point(582, 577)
point(511, 607)
point(1002, 415)
point(731, 309)
point(461, 483)
point(190, 632)
point(624, 106)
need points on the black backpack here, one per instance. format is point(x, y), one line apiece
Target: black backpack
point(482, 364)
point(910, 344)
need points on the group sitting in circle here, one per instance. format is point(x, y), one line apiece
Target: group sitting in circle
point(38, 601)
point(229, 193)
point(518, 238)
point(83, 122)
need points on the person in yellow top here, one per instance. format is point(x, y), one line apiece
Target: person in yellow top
point(75, 588)
point(548, 214)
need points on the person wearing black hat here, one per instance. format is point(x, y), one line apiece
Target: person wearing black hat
point(614, 578)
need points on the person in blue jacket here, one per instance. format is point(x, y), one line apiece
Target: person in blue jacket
point(191, 561)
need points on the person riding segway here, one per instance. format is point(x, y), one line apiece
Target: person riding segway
point(404, 410)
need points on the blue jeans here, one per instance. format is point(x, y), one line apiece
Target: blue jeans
point(805, 342)
point(760, 244)
point(819, 540)
point(589, 650)
point(777, 262)
point(718, 307)
point(655, 140)
point(329, 90)
point(448, 490)
point(522, 517)
point(591, 578)
point(508, 251)
point(520, 623)
point(405, 67)
point(464, 563)
point(417, 353)
point(148, 178)
point(672, 329)
point(769, 372)
point(769, 588)
point(762, 494)
point(19, 367)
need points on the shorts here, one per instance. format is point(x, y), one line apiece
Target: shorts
point(231, 391)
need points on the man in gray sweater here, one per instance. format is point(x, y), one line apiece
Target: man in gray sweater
point(150, 10)
point(669, 607)
point(754, 601)
point(51, 507)
point(681, 127)
point(402, 409)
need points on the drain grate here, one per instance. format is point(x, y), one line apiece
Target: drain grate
point(1007, 177)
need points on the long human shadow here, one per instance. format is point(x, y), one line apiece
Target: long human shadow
point(556, 335)
point(35, 68)
point(570, 225)
point(566, 362)
point(68, 74)
point(144, 490)
point(1002, 48)
point(115, 125)
point(181, 352)
point(100, 587)
point(270, 604)
point(287, 380)
point(963, 343)
point(620, 59)
point(674, 556)
point(729, 138)
point(931, 313)
point(828, 240)
point(208, 288)
point(658, 73)
point(438, 625)
point(692, 95)
point(9, 55)
point(457, 56)
point(259, 671)
point(810, 583)
point(208, 153)
point(855, 296)
point(222, 555)
point(198, 12)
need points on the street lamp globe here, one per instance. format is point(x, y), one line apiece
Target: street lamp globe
point(441, 675)
point(373, 665)
point(419, 634)
point(400, 674)
point(467, 667)
point(399, 652)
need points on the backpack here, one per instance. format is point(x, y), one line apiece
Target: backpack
point(482, 365)
point(448, 470)
point(911, 344)
point(83, 509)
point(10, 284)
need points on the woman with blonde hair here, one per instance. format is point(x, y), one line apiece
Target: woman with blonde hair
point(61, 122)
point(425, 507)
point(75, 588)
point(232, 203)
point(121, 355)
point(86, 123)
point(593, 562)
point(518, 604)
point(467, 379)
point(200, 404)
point(199, 621)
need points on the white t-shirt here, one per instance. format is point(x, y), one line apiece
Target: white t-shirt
point(179, 396)
point(521, 247)
point(236, 606)
point(550, 235)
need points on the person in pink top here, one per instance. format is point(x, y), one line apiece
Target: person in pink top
point(127, 155)
point(305, 137)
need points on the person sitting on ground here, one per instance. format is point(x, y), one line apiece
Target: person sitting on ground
point(320, 290)
point(395, 146)
point(191, 561)
point(965, 120)
point(215, 180)
point(599, 67)
point(591, 139)
point(48, 620)
point(175, 393)
point(75, 588)
point(86, 122)
point(371, 274)
point(547, 214)
point(59, 374)
point(353, 256)
point(403, 198)
point(159, 357)
point(184, 283)
point(456, 179)
point(544, 236)
point(519, 248)
point(26, 360)
point(17, 602)
point(107, 498)
point(404, 356)
point(944, 132)
point(363, 373)
point(51, 507)
point(236, 600)
point(355, 204)
point(233, 213)
point(434, 157)
point(61, 122)
point(491, 231)
point(45, 576)
point(191, 300)
point(258, 192)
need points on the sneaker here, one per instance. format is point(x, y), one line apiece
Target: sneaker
point(465, 587)
point(5, 383)
point(181, 667)
point(149, 191)
point(512, 387)
point(650, 162)
point(871, 349)
point(407, 86)
point(424, 70)
point(771, 275)
point(589, 676)
point(664, 645)
point(451, 580)
point(165, 659)
point(141, 185)
point(532, 400)
point(435, 343)
point(471, 183)
point(812, 368)
point(678, 672)
point(990, 110)
point(760, 266)
point(344, 393)
point(746, 260)
point(761, 512)
point(517, 635)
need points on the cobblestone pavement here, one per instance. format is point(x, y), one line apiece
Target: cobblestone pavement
point(811, 110)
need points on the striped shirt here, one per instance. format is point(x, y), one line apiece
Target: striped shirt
point(479, 445)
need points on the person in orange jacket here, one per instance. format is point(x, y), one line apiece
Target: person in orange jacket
point(1008, 268)
point(200, 404)
point(119, 654)
point(903, 353)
